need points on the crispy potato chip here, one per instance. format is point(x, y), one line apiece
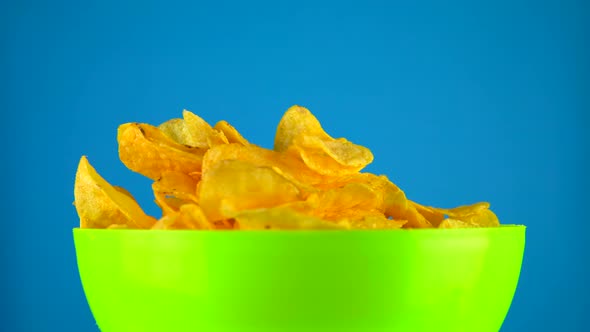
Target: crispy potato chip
point(232, 135)
point(289, 166)
point(333, 157)
point(466, 210)
point(124, 191)
point(455, 223)
point(177, 184)
point(300, 133)
point(393, 200)
point(484, 218)
point(118, 226)
point(227, 224)
point(177, 130)
point(352, 196)
point(374, 220)
point(433, 215)
point(169, 204)
point(146, 150)
point(192, 131)
point(189, 216)
point(236, 185)
point(100, 205)
point(201, 132)
point(297, 121)
point(173, 190)
point(278, 218)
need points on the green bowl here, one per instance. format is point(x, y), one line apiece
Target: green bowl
point(395, 280)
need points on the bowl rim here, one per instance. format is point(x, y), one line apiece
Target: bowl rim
point(501, 228)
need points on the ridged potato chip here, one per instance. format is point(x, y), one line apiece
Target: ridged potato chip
point(100, 205)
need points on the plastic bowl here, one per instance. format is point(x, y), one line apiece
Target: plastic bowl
point(399, 280)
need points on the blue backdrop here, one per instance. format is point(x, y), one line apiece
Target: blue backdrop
point(459, 101)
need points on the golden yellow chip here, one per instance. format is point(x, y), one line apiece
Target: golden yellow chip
point(232, 185)
point(296, 122)
point(352, 196)
point(173, 190)
point(483, 218)
point(202, 132)
point(189, 216)
point(300, 133)
point(374, 220)
point(177, 130)
point(333, 157)
point(176, 184)
point(289, 166)
point(433, 215)
point(145, 149)
point(123, 191)
point(282, 218)
point(466, 210)
point(454, 223)
point(169, 204)
point(232, 135)
point(100, 205)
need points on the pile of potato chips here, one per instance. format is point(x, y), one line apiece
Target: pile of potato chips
point(213, 178)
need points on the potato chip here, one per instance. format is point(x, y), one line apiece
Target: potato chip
point(224, 224)
point(332, 157)
point(202, 132)
point(232, 135)
point(124, 191)
point(278, 218)
point(297, 121)
point(289, 166)
point(189, 216)
point(373, 220)
point(393, 200)
point(176, 184)
point(236, 185)
point(466, 210)
point(100, 205)
point(483, 218)
point(433, 215)
point(173, 190)
point(300, 133)
point(118, 226)
point(169, 204)
point(146, 150)
point(177, 130)
point(455, 223)
point(352, 196)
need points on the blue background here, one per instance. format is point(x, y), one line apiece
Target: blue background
point(459, 101)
